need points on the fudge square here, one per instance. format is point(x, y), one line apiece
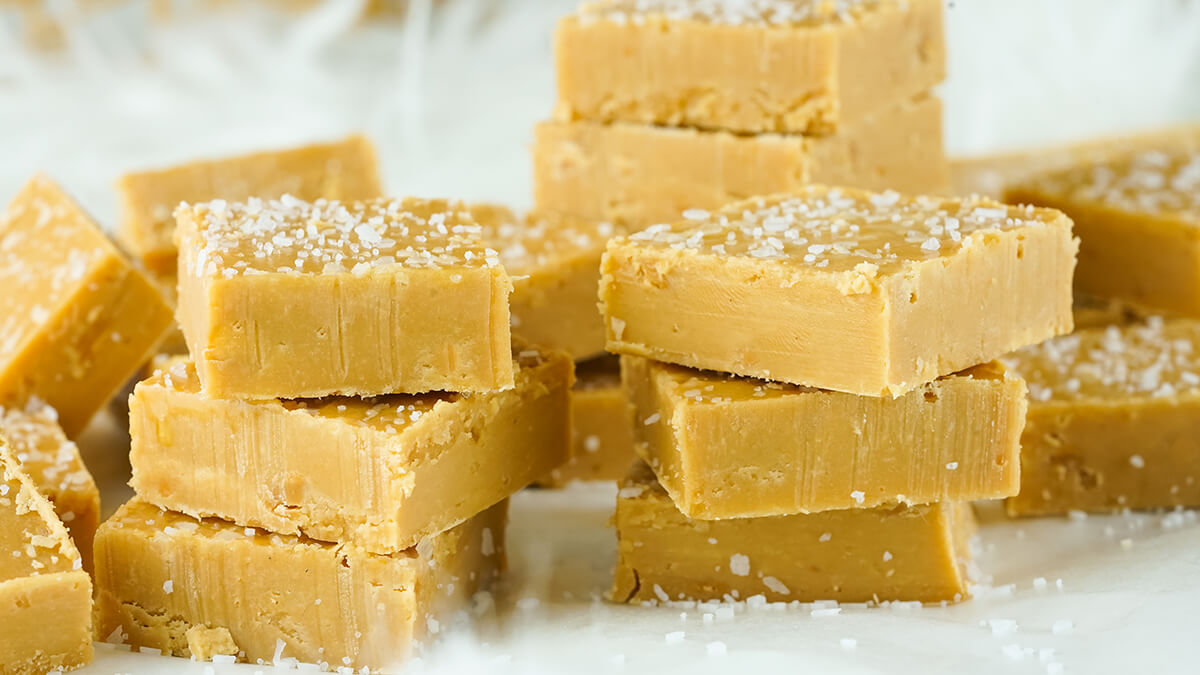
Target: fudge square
point(1136, 216)
point(801, 66)
point(76, 320)
point(194, 588)
point(601, 426)
point(54, 464)
point(345, 170)
point(45, 596)
point(835, 288)
point(294, 299)
point(731, 447)
point(380, 472)
point(901, 553)
point(1114, 419)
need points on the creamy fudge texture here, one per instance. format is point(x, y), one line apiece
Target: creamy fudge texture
point(841, 289)
point(638, 175)
point(734, 447)
point(601, 426)
point(1136, 217)
point(54, 465)
point(76, 320)
point(345, 170)
point(903, 553)
point(380, 472)
point(45, 596)
point(1114, 419)
point(305, 299)
point(803, 66)
point(554, 262)
point(277, 596)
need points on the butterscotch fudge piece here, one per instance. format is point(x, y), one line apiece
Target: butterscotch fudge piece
point(345, 170)
point(305, 299)
point(381, 472)
point(1114, 420)
point(639, 175)
point(601, 426)
point(1136, 217)
point(866, 293)
point(45, 596)
point(806, 66)
point(554, 262)
point(161, 575)
point(903, 553)
point(76, 320)
point(733, 447)
point(53, 462)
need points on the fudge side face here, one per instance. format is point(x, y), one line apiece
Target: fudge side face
point(750, 67)
point(297, 299)
point(601, 426)
point(76, 320)
point(1113, 420)
point(840, 289)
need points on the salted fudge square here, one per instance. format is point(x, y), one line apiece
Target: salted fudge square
point(842, 289)
point(381, 472)
point(733, 447)
point(891, 553)
point(294, 299)
point(76, 319)
point(1114, 419)
point(798, 66)
point(192, 587)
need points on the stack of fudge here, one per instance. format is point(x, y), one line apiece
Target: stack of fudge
point(815, 393)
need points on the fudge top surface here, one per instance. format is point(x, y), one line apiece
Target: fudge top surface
point(292, 236)
point(46, 454)
point(530, 241)
point(32, 538)
point(1154, 182)
point(731, 12)
point(1153, 359)
point(830, 229)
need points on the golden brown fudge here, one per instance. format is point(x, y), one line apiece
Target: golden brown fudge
point(734, 447)
point(640, 175)
point(866, 293)
point(1136, 217)
point(601, 426)
point(380, 472)
point(902, 553)
point(161, 575)
point(45, 596)
point(56, 468)
point(1114, 420)
point(299, 300)
point(1092, 312)
point(76, 320)
point(554, 262)
point(345, 170)
point(795, 66)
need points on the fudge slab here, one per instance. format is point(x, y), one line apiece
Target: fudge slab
point(733, 447)
point(601, 426)
point(188, 587)
point(1137, 217)
point(842, 289)
point(45, 596)
point(345, 170)
point(1114, 419)
point(380, 472)
point(54, 464)
point(76, 319)
point(554, 262)
point(294, 299)
point(803, 66)
point(903, 553)
point(638, 175)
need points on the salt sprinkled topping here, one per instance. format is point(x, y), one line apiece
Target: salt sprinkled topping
point(1154, 182)
point(739, 565)
point(528, 242)
point(731, 12)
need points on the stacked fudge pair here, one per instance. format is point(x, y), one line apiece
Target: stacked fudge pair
point(324, 477)
point(815, 395)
